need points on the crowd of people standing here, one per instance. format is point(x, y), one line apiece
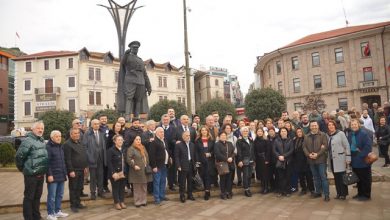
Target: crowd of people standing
point(283, 154)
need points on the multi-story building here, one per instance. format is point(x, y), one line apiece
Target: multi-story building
point(82, 82)
point(7, 75)
point(208, 87)
point(347, 66)
point(237, 98)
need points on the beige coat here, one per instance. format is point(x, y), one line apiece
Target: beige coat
point(133, 158)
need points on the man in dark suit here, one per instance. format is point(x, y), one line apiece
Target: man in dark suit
point(159, 158)
point(174, 122)
point(185, 126)
point(185, 163)
point(170, 138)
point(147, 138)
point(96, 154)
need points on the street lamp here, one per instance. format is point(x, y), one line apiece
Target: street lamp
point(187, 62)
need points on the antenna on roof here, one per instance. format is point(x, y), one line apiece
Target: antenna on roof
point(345, 14)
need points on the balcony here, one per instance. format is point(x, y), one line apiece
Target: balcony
point(48, 90)
point(368, 84)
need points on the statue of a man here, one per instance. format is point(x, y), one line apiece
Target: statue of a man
point(133, 83)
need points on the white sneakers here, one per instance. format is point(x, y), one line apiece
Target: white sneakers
point(61, 214)
point(51, 217)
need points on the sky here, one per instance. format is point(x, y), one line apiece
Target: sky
point(222, 33)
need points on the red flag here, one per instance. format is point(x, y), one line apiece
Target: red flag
point(17, 35)
point(367, 51)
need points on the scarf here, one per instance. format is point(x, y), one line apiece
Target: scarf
point(141, 149)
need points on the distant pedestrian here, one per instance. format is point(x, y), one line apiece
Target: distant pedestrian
point(32, 159)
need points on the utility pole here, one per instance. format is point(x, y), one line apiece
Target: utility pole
point(187, 62)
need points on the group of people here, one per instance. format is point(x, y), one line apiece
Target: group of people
point(146, 157)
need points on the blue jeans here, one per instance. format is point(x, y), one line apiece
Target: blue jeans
point(321, 183)
point(55, 191)
point(159, 184)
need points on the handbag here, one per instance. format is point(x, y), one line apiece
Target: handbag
point(148, 169)
point(198, 182)
point(371, 158)
point(223, 167)
point(350, 177)
point(280, 164)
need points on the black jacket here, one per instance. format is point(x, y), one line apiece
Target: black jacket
point(146, 139)
point(299, 157)
point(115, 161)
point(283, 147)
point(180, 130)
point(181, 156)
point(110, 141)
point(382, 133)
point(157, 153)
point(56, 161)
point(223, 150)
point(262, 149)
point(201, 151)
point(130, 135)
point(75, 156)
point(245, 151)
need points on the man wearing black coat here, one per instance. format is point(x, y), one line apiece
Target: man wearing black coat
point(185, 126)
point(130, 134)
point(76, 165)
point(185, 163)
point(170, 138)
point(147, 138)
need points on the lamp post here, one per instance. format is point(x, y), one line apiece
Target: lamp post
point(187, 62)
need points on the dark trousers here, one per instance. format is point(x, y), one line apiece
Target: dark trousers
point(384, 150)
point(262, 173)
point(76, 185)
point(273, 178)
point(239, 172)
point(172, 175)
point(204, 174)
point(185, 176)
point(247, 175)
point(284, 177)
point(118, 190)
point(365, 180)
point(105, 177)
point(225, 183)
point(341, 188)
point(96, 178)
point(33, 187)
point(306, 180)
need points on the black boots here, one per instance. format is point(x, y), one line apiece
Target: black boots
point(206, 195)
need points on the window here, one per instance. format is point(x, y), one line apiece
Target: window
point(165, 82)
point(179, 99)
point(278, 67)
point(339, 56)
point(183, 84)
point(341, 79)
point(216, 82)
point(297, 85)
point(72, 105)
point(28, 66)
point(71, 82)
point(46, 64)
point(199, 85)
point(98, 98)
point(57, 64)
point(98, 75)
point(367, 74)
point(160, 83)
point(91, 98)
point(280, 86)
point(315, 59)
point(27, 108)
point(116, 76)
point(343, 104)
point(70, 63)
point(317, 82)
point(178, 84)
point(162, 97)
point(295, 63)
point(365, 49)
point(91, 74)
point(298, 107)
point(183, 100)
point(27, 85)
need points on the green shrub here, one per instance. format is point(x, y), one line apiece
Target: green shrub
point(7, 153)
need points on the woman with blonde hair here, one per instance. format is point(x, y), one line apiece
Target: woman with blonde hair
point(140, 172)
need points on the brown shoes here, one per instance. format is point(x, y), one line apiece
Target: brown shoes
point(123, 206)
point(117, 206)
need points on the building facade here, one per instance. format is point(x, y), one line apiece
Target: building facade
point(207, 87)
point(82, 82)
point(347, 67)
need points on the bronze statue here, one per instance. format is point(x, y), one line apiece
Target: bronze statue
point(133, 83)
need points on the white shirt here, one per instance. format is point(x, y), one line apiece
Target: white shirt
point(185, 128)
point(166, 152)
